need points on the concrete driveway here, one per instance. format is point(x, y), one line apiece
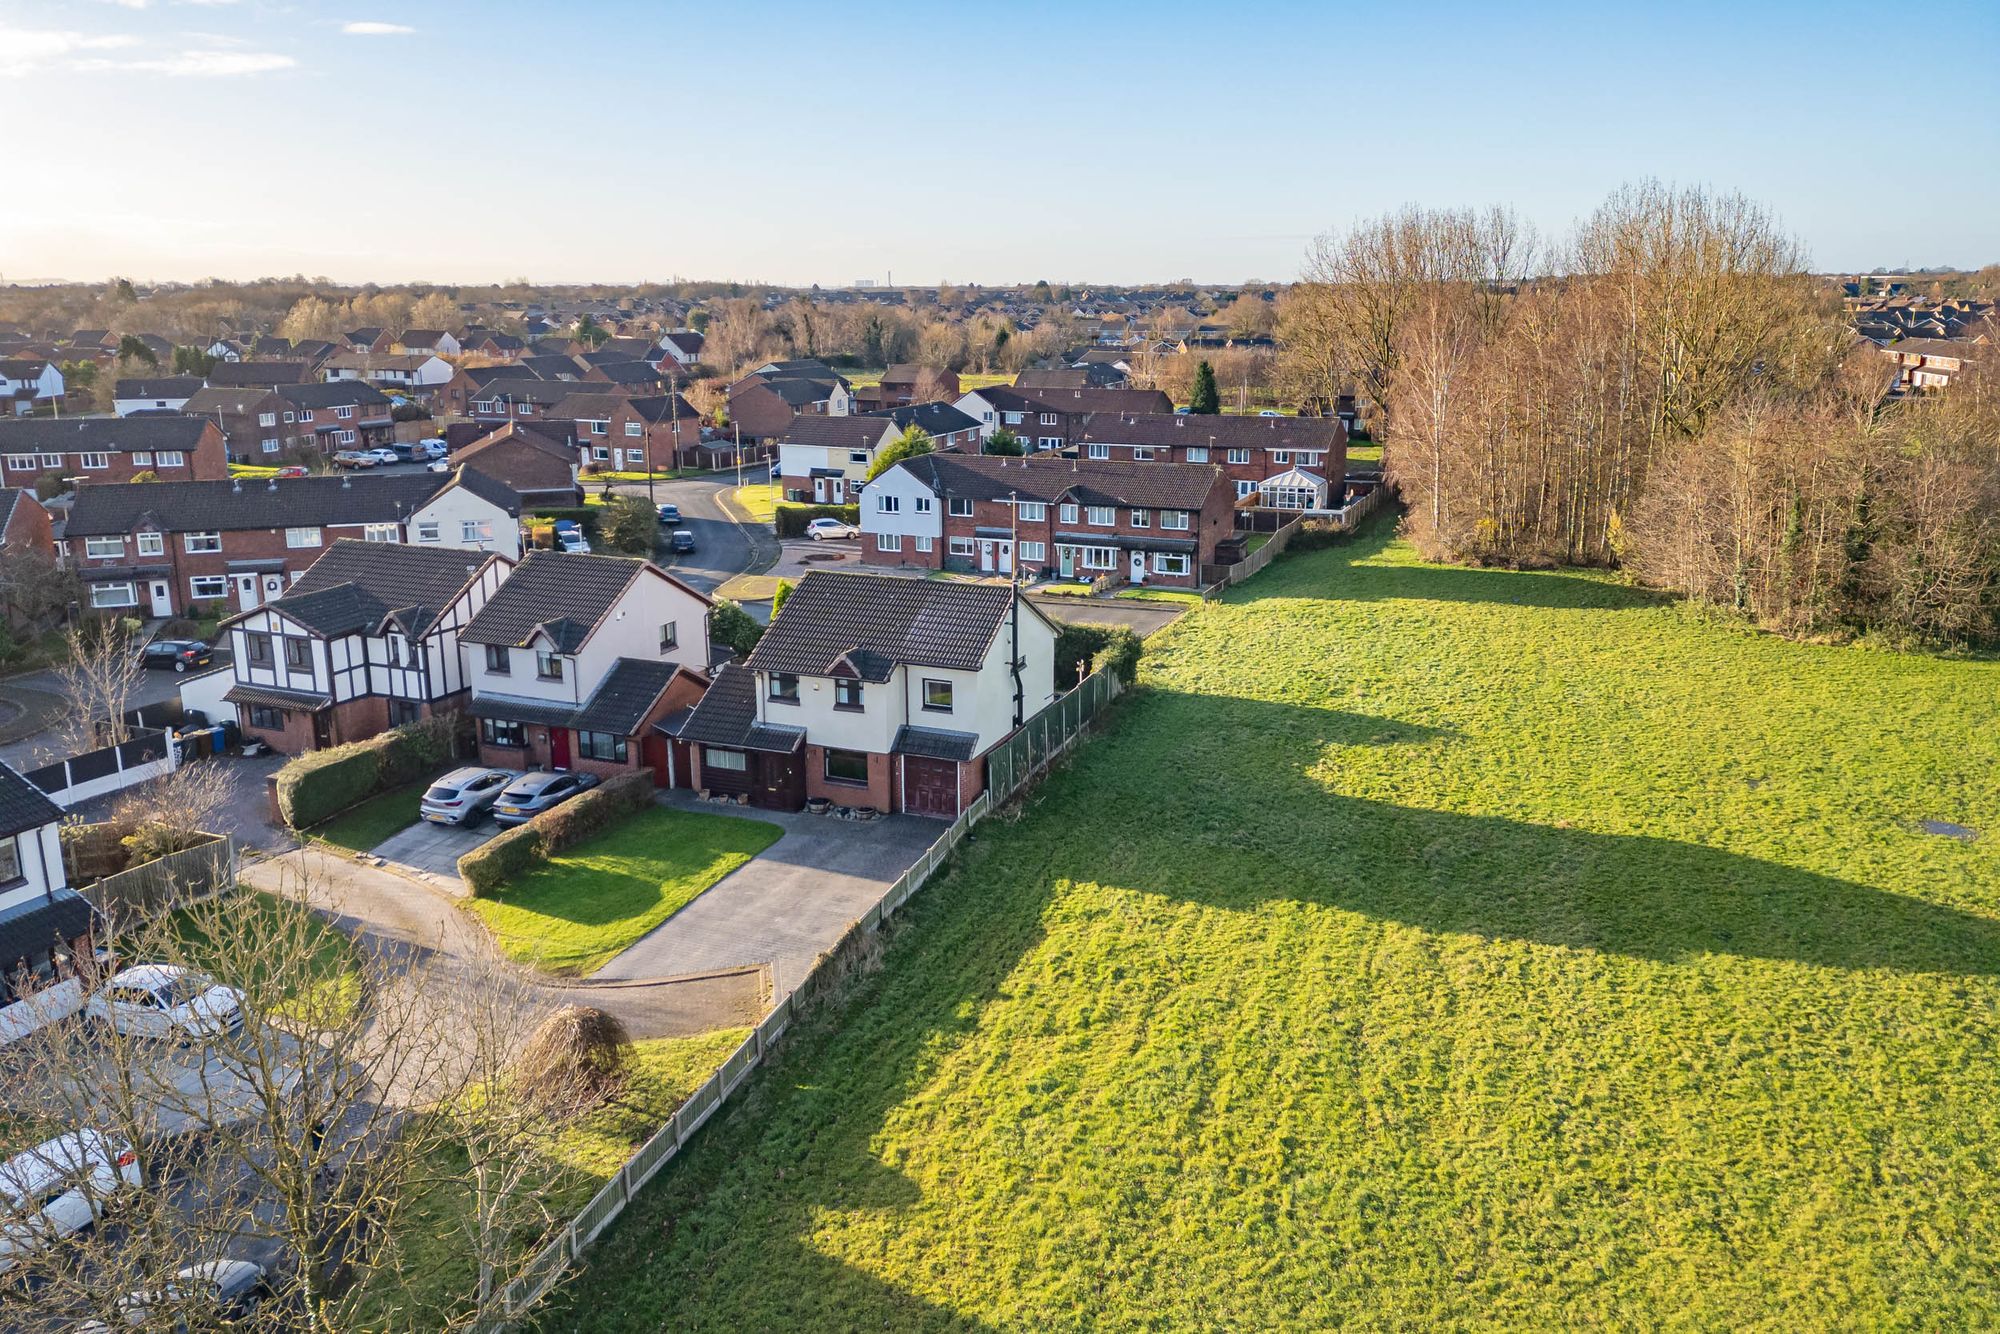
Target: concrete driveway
point(785, 906)
point(429, 852)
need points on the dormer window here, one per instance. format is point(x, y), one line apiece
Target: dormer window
point(548, 666)
point(847, 694)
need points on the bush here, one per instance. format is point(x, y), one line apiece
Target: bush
point(575, 1059)
point(629, 525)
point(501, 858)
point(730, 624)
point(1112, 646)
point(554, 831)
point(50, 485)
point(791, 517)
point(409, 412)
point(322, 783)
point(779, 594)
point(586, 515)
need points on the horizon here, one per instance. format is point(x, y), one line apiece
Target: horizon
point(790, 147)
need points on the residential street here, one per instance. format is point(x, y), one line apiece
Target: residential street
point(723, 546)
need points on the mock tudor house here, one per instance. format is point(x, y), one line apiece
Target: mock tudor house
point(171, 548)
point(110, 450)
point(1048, 517)
point(1252, 450)
point(874, 690)
point(575, 659)
point(164, 393)
point(45, 925)
point(826, 460)
point(365, 639)
point(1050, 418)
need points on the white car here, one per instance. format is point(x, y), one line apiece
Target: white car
point(157, 1000)
point(213, 1292)
point(573, 541)
point(383, 455)
point(58, 1188)
point(1269, 413)
point(437, 465)
point(819, 530)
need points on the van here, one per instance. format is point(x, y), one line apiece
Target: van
point(59, 1188)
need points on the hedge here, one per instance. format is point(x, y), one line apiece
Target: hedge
point(585, 515)
point(1112, 646)
point(320, 784)
point(791, 518)
point(556, 830)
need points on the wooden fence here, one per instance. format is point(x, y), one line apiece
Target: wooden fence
point(1027, 753)
point(187, 876)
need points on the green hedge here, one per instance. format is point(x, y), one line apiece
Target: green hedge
point(585, 515)
point(791, 517)
point(554, 831)
point(320, 784)
point(1112, 646)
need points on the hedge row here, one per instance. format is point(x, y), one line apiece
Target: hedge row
point(1112, 646)
point(557, 830)
point(320, 784)
point(792, 518)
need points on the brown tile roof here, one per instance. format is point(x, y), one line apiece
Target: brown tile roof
point(864, 624)
point(1181, 486)
point(1222, 432)
point(563, 594)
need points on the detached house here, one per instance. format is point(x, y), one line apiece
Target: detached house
point(1049, 517)
point(45, 925)
point(365, 639)
point(176, 548)
point(763, 403)
point(683, 346)
point(825, 460)
point(112, 449)
point(575, 659)
point(394, 370)
point(26, 381)
point(874, 690)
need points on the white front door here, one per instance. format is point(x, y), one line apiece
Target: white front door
point(1138, 567)
point(819, 489)
point(1006, 558)
point(985, 556)
point(163, 604)
point(274, 586)
point(246, 591)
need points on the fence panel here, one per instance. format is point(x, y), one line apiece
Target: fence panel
point(653, 1155)
point(604, 1206)
point(737, 1066)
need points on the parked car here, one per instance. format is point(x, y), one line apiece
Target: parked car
point(681, 542)
point(437, 465)
point(293, 470)
point(531, 794)
point(179, 654)
point(819, 530)
point(435, 448)
point(355, 458)
point(464, 794)
point(383, 454)
point(159, 1000)
point(669, 513)
point(209, 1295)
point(572, 540)
point(60, 1187)
point(1269, 413)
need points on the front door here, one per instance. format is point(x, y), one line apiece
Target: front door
point(784, 786)
point(1006, 557)
point(1066, 561)
point(558, 748)
point(246, 591)
point(163, 605)
point(322, 730)
point(274, 586)
point(819, 489)
point(986, 557)
point(930, 787)
point(1138, 567)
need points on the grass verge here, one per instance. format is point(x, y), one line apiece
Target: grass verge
point(1159, 595)
point(759, 501)
point(330, 971)
point(581, 908)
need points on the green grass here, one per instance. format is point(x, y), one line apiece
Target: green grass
point(330, 973)
point(1254, 541)
point(1064, 590)
point(1159, 595)
point(1424, 947)
point(364, 827)
point(1364, 453)
point(759, 502)
point(251, 470)
point(574, 913)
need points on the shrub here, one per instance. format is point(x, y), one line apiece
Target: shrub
point(629, 525)
point(585, 515)
point(1095, 646)
point(501, 858)
point(574, 1059)
point(791, 517)
point(322, 783)
point(779, 594)
point(590, 813)
point(50, 485)
point(730, 624)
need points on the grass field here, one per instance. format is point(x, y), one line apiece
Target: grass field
point(759, 502)
point(1426, 946)
point(363, 827)
point(573, 913)
point(1370, 454)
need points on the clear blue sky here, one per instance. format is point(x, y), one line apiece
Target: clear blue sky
point(823, 143)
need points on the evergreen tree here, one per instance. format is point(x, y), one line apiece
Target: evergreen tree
point(1204, 400)
point(1004, 441)
point(909, 444)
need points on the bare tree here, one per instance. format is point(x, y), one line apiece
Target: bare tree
point(99, 673)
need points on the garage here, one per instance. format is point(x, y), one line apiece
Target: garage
point(930, 787)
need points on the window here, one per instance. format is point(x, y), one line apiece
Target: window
point(937, 695)
point(1281, 456)
point(601, 453)
point(95, 460)
point(1100, 558)
point(21, 462)
point(597, 428)
point(288, 417)
point(10, 861)
point(524, 409)
point(266, 717)
point(502, 732)
point(846, 766)
point(888, 541)
point(1197, 454)
point(1100, 451)
point(635, 429)
point(343, 413)
point(735, 761)
point(113, 595)
point(270, 445)
point(298, 655)
point(670, 636)
point(847, 694)
point(203, 586)
point(142, 459)
point(197, 543)
point(344, 437)
point(1100, 516)
point(1049, 442)
point(50, 460)
point(1032, 553)
point(1244, 488)
point(923, 505)
point(379, 532)
point(959, 508)
point(396, 651)
point(888, 504)
point(1015, 418)
point(1142, 518)
point(258, 645)
point(1067, 513)
point(784, 688)
point(103, 548)
point(1048, 419)
point(475, 530)
point(601, 746)
point(267, 419)
point(960, 546)
point(302, 537)
point(172, 458)
point(1174, 519)
point(925, 544)
point(1165, 564)
point(1032, 511)
point(403, 712)
point(1239, 456)
point(548, 666)
point(427, 530)
point(499, 662)
point(1142, 456)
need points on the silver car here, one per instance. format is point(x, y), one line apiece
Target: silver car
point(463, 795)
point(531, 794)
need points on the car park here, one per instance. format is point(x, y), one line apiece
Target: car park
point(157, 1000)
point(819, 530)
point(179, 654)
point(464, 795)
point(531, 794)
point(59, 1188)
point(669, 513)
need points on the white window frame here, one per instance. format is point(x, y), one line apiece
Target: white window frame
point(1032, 553)
point(97, 592)
point(151, 544)
point(94, 461)
point(1032, 511)
point(888, 542)
point(1101, 516)
point(172, 458)
point(1169, 563)
point(1197, 454)
point(304, 537)
point(961, 546)
point(103, 548)
point(427, 530)
point(634, 430)
point(1067, 512)
point(888, 504)
point(208, 587)
point(201, 544)
point(1097, 451)
point(925, 544)
point(142, 459)
point(475, 530)
point(1174, 520)
point(1239, 456)
point(959, 507)
point(380, 532)
point(1100, 558)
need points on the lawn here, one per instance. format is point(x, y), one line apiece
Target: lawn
point(1159, 595)
point(330, 971)
point(759, 502)
point(574, 913)
point(1370, 454)
point(363, 827)
point(1424, 947)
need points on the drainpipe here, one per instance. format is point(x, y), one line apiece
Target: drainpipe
point(1014, 613)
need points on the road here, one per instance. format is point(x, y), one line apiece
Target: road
point(723, 548)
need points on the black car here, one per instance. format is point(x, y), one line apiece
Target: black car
point(682, 542)
point(179, 654)
point(669, 512)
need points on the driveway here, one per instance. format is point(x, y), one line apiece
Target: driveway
point(430, 852)
point(787, 905)
point(1141, 617)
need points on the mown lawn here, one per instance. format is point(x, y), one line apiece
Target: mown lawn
point(576, 911)
point(759, 501)
point(1425, 947)
point(365, 826)
point(322, 972)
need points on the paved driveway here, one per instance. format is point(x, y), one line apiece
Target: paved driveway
point(430, 852)
point(785, 906)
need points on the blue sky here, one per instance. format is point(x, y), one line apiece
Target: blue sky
point(1103, 141)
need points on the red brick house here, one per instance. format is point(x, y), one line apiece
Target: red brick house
point(536, 464)
point(1048, 517)
point(1251, 450)
point(24, 524)
point(826, 460)
point(763, 403)
point(99, 450)
point(904, 384)
point(251, 419)
point(1046, 419)
point(337, 415)
point(618, 433)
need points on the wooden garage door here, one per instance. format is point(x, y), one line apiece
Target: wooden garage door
point(930, 787)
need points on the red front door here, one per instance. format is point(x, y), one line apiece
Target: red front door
point(558, 748)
